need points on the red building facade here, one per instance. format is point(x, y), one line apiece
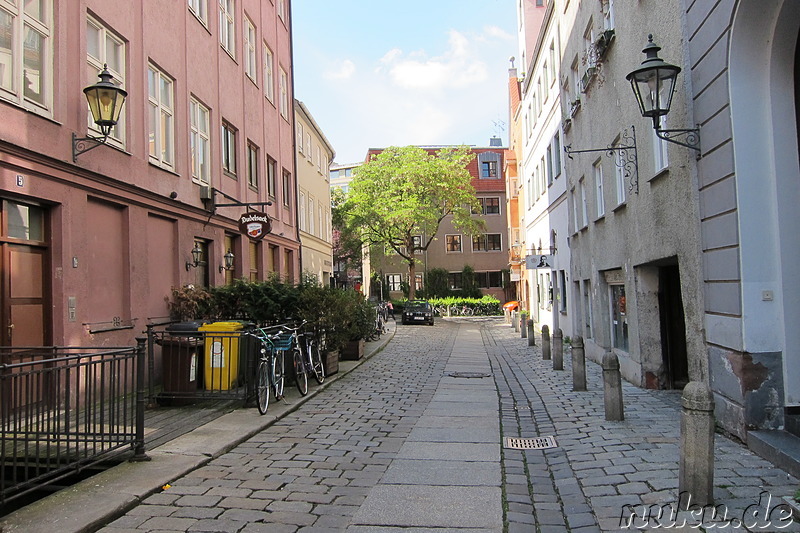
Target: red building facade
point(93, 245)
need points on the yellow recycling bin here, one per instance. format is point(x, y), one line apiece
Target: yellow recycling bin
point(221, 354)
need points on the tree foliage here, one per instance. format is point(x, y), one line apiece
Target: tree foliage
point(406, 192)
point(347, 244)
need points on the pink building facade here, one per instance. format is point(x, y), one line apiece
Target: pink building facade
point(91, 249)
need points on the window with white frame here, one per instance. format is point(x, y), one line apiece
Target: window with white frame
point(227, 26)
point(200, 10)
point(105, 49)
point(199, 140)
point(302, 214)
point(269, 74)
point(250, 49)
point(161, 117)
point(576, 222)
point(608, 14)
point(489, 242)
point(556, 143)
point(309, 151)
point(228, 149)
point(575, 82)
point(26, 57)
point(394, 281)
point(588, 45)
point(545, 81)
point(299, 129)
point(582, 193)
point(621, 186)
point(311, 226)
point(542, 176)
point(252, 165)
point(598, 180)
point(452, 243)
point(549, 164)
point(489, 163)
point(287, 188)
point(284, 94)
point(552, 63)
point(281, 4)
point(660, 147)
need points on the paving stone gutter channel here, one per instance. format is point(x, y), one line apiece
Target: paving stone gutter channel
point(91, 503)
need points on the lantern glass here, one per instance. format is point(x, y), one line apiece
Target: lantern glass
point(197, 254)
point(105, 101)
point(229, 258)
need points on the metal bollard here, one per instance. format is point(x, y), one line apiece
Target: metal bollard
point(578, 365)
point(612, 387)
point(546, 342)
point(696, 472)
point(531, 334)
point(523, 330)
point(515, 320)
point(558, 349)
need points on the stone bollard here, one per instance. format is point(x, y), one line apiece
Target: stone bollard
point(612, 387)
point(515, 320)
point(545, 342)
point(696, 472)
point(558, 349)
point(578, 365)
point(523, 329)
point(531, 334)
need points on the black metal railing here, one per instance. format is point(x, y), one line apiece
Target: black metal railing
point(63, 409)
point(200, 365)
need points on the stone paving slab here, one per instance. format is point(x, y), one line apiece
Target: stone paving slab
point(432, 507)
point(442, 472)
point(468, 433)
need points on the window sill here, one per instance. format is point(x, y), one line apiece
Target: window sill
point(201, 21)
point(228, 52)
point(660, 174)
point(162, 167)
point(621, 206)
point(601, 218)
point(229, 174)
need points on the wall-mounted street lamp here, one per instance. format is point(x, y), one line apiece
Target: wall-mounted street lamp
point(197, 257)
point(653, 85)
point(228, 258)
point(105, 102)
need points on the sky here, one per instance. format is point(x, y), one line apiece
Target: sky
point(379, 73)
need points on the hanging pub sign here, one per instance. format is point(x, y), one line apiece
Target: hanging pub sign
point(255, 225)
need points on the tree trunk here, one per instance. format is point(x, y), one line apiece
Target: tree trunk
point(412, 278)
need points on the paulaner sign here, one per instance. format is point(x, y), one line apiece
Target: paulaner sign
point(255, 225)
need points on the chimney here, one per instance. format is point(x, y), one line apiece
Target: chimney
point(495, 141)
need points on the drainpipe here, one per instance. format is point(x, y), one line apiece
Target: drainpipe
point(294, 153)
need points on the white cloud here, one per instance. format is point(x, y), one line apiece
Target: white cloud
point(344, 70)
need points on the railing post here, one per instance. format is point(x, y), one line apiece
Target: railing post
point(531, 333)
point(151, 366)
point(612, 387)
point(696, 472)
point(546, 342)
point(578, 365)
point(558, 349)
point(138, 451)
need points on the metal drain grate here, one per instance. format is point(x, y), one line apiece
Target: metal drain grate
point(467, 375)
point(536, 443)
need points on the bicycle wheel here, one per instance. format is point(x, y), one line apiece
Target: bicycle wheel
point(278, 373)
point(315, 359)
point(262, 386)
point(468, 311)
point(300, 376)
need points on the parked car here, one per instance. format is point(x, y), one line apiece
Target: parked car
point(418, 312)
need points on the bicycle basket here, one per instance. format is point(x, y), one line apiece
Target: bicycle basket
point(282, 341)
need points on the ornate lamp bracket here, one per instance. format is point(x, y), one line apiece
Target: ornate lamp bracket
point(624, 154)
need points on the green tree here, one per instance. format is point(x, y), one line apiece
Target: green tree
point(347, 244)
point(400, 196)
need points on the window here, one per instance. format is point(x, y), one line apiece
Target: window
point(490, 242)
point(255, 257)
point(104, 48)
point(598, 180)
point(287, 188)
point(199, 140)
point(660, 147)
point(621, 186)
point(608, 14)
point(311, 225)
point(490, 206)
point(252, 165)
point(26, 64)
point(416, 242)
point(228, 149)
point(272, 168)
point(489, 164)
point(200, 10)
point(588, 45)
point(250, 49)
point(300, 137)
point(281, 4)
point(284, 94)
point(308, 146)
point(584, 216)
point(549, 164)
point(227, 26)
point(562, 279)
point(269, 74)
point(619, 317)
point(587, 308)
point(452, 243)
point(556, 155)
point(576, 222)
point(552, 62)
point(162, 130)
point(454, 278)
point(488, 280)
point(302, 213)
point(394, 281)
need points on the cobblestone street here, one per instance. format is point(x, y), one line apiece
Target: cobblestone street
point(411, 440)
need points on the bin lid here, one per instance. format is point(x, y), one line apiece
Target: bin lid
point(184, 326)
point(221, 326)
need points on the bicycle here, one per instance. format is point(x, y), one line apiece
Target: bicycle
point(312, 358)
point(461, 311)
point(269, 373)
point(298, 360)
point(379, 329)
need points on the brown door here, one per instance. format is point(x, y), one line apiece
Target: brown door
point(23, 260)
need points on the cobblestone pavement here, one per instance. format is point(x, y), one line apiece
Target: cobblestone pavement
point(411, 441)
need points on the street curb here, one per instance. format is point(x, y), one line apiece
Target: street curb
point(94, 502)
